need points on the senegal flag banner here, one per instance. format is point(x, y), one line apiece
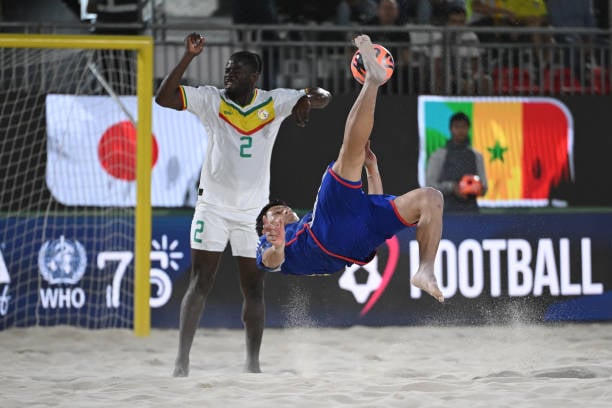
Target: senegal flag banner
point(526, 143)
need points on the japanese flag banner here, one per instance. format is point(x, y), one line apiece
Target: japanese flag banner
point(91, 152)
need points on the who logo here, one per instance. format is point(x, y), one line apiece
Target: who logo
point(62, 262)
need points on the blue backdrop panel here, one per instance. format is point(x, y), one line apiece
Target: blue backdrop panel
point(493, 268)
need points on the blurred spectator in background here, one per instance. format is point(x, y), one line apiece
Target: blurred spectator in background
point(117, 66)
point(428, 11)
point(573, 14)
point(304, 12)
point(355, 11)
point(601, 9)
point(526, 13)
point(487, 13)
point(424, 11)
point(570, 13)
point(116, 12)
point(388, 15)
point(255, 12)
point(465, 69)
point(352, 12)
point(457, 170)
point(258, 12)
point(530, 13)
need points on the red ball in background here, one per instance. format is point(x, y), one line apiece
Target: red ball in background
point(470, 185)
point(384, 58)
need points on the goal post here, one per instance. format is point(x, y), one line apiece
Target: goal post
point(143, 48)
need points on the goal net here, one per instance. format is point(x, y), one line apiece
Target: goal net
point(75, 217)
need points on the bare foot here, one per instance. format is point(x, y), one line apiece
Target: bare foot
point(425, 280)
point(375, 72)
point(181, 370)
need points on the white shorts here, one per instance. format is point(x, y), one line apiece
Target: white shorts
point(212, 227)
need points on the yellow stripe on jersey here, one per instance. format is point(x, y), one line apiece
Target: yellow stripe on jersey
point(250, 121)
point(183, 97)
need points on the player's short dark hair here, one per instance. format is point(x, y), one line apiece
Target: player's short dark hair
point(459, 117)
point(264, 210)
point(250, 59)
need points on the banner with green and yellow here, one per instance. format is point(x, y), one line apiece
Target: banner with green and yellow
point(526, 143)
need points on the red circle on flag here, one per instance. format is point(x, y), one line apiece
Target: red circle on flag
point(117, 151)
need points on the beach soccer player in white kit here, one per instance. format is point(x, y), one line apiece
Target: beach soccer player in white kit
point(242, 123)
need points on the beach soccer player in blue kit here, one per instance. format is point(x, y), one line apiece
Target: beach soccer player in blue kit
point(346, 225)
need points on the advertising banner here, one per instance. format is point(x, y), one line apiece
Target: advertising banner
point(527, 143)
point(492, 269)
point(80, 270)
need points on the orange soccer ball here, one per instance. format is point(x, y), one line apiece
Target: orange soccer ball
point(384, 58)
point(470, 185)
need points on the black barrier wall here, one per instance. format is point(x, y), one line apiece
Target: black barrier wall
point(300, 155)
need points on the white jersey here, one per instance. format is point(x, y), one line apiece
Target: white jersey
point(236, 172)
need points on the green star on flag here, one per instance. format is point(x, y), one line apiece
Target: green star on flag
point(497, 151)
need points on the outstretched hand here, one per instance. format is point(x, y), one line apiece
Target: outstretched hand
point(274, 230)
point(194, 44)
point(301, 111)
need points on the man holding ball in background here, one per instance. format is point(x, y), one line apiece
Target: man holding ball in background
point(457, 170)
point(242, 123)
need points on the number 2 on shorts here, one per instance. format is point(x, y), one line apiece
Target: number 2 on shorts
point(198, 230)
point(248, 143)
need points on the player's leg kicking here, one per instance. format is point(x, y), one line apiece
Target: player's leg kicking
point(423, 206)
point(360, 119)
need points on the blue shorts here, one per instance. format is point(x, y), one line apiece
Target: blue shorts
point(349, 223)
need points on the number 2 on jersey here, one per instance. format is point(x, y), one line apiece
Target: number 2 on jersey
point(247, 144)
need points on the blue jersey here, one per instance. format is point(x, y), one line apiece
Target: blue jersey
point(303, 256)
point(345, 227)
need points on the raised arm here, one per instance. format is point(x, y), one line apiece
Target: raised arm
point(316, 98)
point(168, 95)
point(372, 172)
